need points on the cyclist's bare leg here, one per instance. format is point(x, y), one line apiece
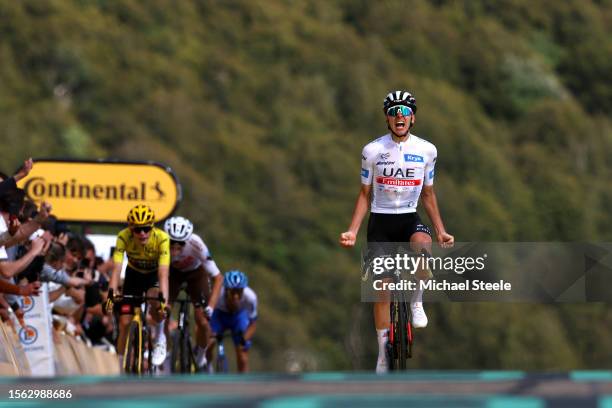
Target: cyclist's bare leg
point(242, 358)
point(154, 305)
point(418, 242)
point(210, 348)
point(382, 319)
point(382, 322)
point(124, 322)
point(174, 287)
point(202, 327)
point(158, 316)
point(199, 289)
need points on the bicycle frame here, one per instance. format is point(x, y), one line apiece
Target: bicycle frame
point(401, 336)
point(143, 332)
point(184, 338)
point(221, 366)
point(183, 319)
point(137, 318)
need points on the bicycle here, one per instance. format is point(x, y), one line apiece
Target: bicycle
point(399, 347)
point(221, 365)
point(139, 342)
point(182, 357)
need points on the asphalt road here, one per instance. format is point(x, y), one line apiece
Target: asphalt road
point(467, 389)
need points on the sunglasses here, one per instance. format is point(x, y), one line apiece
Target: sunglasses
point(181, 243)
point(396, 110)
point(138, 230)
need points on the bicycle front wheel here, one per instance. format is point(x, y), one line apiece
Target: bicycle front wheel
point(176, 352)
point(399, 336)
point(403, 336)
point(221, 366)
point(189, 362)
point(132, 358)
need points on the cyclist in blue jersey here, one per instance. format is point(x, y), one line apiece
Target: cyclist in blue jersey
point(236, 311)
point(396, 170)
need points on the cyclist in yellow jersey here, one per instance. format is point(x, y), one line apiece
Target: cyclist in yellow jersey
point(148, 254)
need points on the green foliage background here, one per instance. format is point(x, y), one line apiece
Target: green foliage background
point(262, 108)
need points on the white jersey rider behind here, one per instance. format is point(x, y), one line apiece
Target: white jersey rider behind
point(191, 266)
point(195, 253)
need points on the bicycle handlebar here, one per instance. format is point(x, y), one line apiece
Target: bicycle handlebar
point(115, 298)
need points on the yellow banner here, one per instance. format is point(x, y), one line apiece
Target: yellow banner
point(102, 191)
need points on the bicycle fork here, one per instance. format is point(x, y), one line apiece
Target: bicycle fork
point(138, 319)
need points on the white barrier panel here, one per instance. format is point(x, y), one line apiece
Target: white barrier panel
point(36, 338)
point(7, 359)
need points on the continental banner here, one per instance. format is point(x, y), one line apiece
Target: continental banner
point(102, 191)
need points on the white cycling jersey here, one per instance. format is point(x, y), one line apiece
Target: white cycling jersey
point(195, 253)
point(398, 171)
point(248, 302)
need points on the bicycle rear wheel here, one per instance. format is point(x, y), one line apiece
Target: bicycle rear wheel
point(132, 358)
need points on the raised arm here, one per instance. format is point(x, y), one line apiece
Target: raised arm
point(348, 238)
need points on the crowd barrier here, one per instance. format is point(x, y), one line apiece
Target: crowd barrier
point(13, 361)
point(71, 356)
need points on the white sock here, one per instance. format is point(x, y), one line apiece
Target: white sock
point(121, 361)
point(383, 336)
point(417, 296)
point(161, 336)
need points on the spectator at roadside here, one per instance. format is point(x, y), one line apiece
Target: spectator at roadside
point(11, 203)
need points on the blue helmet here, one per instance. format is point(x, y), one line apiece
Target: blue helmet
point(235, 280)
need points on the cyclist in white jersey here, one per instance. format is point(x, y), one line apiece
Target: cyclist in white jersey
point(191, 262)
point(396, 170)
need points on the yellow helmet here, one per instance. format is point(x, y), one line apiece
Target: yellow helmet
point(141, 215)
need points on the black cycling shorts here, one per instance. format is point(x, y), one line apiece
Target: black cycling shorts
point(136, 284)
point(389, 234)
point(198, 285)
point(394, 227)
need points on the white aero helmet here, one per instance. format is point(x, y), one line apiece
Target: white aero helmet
point(179, 228)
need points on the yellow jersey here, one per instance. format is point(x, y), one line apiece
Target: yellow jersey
point(144, 258)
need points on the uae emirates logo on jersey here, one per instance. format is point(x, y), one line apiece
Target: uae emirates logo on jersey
point(392, 181)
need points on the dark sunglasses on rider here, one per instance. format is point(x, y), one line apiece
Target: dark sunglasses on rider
point(396, 110)
point(146, 228)
point(181, 243)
